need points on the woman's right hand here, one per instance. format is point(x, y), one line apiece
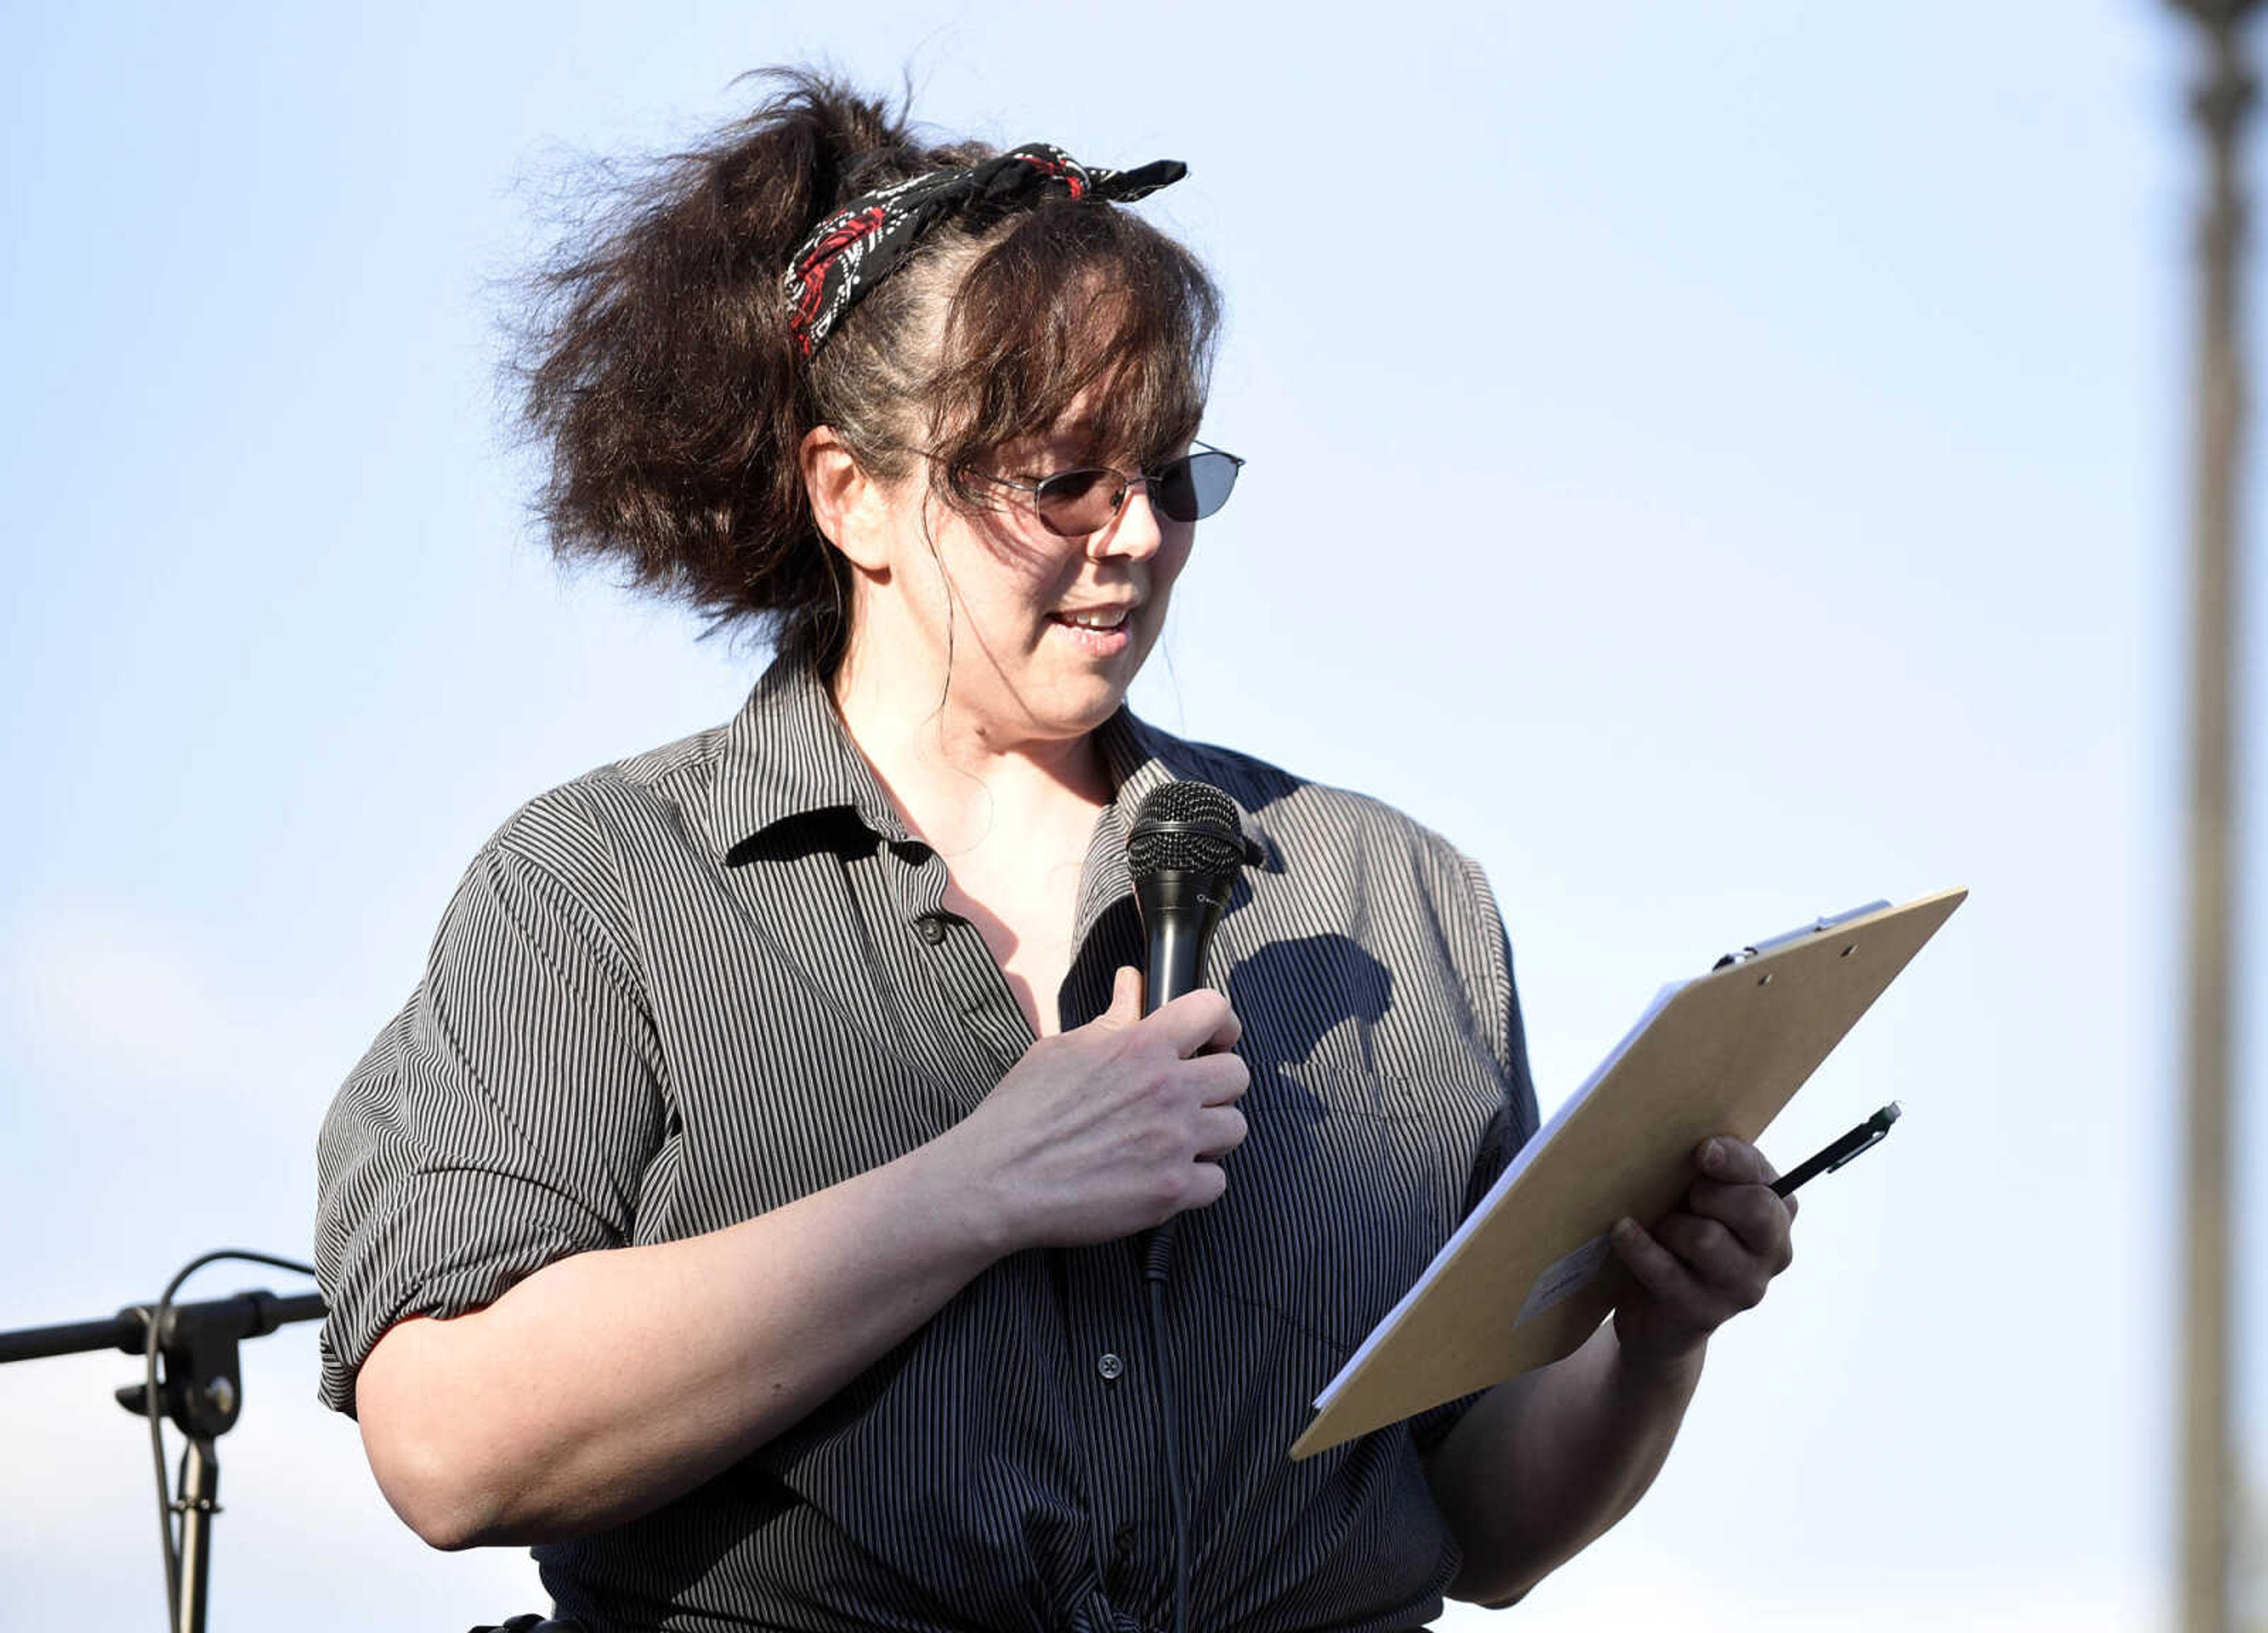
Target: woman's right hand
point(1109, 1129)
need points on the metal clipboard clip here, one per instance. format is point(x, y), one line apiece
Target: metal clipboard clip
point(1802, 932)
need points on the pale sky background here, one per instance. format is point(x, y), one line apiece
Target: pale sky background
point(1717, 463)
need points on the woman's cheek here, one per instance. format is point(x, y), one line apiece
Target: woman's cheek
point(1175, 543)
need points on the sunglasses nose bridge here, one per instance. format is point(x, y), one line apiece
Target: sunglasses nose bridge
point(1123, 532)
point(1124, 485)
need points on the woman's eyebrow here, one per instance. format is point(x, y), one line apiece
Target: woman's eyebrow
point(1059, 450)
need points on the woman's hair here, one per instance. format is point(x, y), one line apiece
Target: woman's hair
point(666, 394)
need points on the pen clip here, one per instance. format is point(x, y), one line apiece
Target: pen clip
point(1878, 1130)
point(1874, 1136)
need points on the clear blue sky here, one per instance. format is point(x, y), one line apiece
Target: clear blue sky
point(1717, 464)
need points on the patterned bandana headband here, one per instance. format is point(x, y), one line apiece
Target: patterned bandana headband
point(870, 238)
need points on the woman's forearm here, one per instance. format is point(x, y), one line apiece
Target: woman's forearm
point(1543, 1465)
point(608, 1383)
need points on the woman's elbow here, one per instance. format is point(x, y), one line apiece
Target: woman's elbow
point(427, 1492)
point(1496, 1594)
point(430, 1465)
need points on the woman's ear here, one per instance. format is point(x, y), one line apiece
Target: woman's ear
point(845, 502)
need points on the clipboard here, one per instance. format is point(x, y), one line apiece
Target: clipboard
point(1528, 1276)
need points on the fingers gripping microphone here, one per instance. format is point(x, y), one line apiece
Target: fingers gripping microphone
point(1184, 853)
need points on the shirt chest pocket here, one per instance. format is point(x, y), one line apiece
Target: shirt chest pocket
point(1333, 1203)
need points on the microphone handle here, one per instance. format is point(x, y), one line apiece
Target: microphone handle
point(1176, 962)
point(1179, 941)
point(1176, 950)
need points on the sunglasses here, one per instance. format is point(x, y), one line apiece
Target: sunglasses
point(1076, 503)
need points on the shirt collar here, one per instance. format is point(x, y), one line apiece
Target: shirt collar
point(1140, 759)
point(787, 755)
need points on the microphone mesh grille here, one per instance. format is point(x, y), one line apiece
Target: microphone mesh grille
point(1185, 826)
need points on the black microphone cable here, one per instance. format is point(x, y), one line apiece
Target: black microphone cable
point(1158, 1261)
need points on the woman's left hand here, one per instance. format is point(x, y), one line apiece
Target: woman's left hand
point(1706, 1260)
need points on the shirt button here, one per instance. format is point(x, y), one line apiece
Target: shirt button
point(1110, 1366)
point(932, 927)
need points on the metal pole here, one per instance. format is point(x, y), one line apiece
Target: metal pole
point(2220, 104)
point(199, 1502)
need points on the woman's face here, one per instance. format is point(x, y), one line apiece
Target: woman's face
point(1028, 636)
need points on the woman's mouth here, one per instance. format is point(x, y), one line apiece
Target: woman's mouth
point(1101, 630)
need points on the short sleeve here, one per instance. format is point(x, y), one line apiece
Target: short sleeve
point(505, 1119)
point(1497, 1001)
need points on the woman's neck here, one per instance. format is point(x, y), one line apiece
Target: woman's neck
point(961, 781)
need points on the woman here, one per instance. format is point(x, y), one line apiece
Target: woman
point(743, 1209)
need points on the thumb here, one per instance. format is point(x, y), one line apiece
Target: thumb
point(1125, 999)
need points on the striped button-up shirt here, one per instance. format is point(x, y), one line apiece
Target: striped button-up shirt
point(694, 986)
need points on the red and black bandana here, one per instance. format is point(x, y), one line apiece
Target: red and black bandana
point(870, 238)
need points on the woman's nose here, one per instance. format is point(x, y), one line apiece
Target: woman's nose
point(1132, 530)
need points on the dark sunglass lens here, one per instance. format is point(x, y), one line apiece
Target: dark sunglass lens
point(1076, 503)
point(1194, 486)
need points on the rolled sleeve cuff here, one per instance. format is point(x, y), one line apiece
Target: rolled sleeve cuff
point(440, 1245)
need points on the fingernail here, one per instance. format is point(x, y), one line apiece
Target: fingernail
point(1626, 1230)
point(1713, 1154)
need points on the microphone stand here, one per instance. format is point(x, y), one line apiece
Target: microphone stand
point(202, 1393)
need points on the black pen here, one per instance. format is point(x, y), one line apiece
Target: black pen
point(1867, 1134)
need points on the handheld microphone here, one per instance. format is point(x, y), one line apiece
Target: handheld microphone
point(1183, 852)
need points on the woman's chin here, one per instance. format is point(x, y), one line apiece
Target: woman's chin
point(1076, 717)
point(1076, 704)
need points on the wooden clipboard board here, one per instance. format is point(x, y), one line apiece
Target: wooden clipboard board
point(1528, 1277)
